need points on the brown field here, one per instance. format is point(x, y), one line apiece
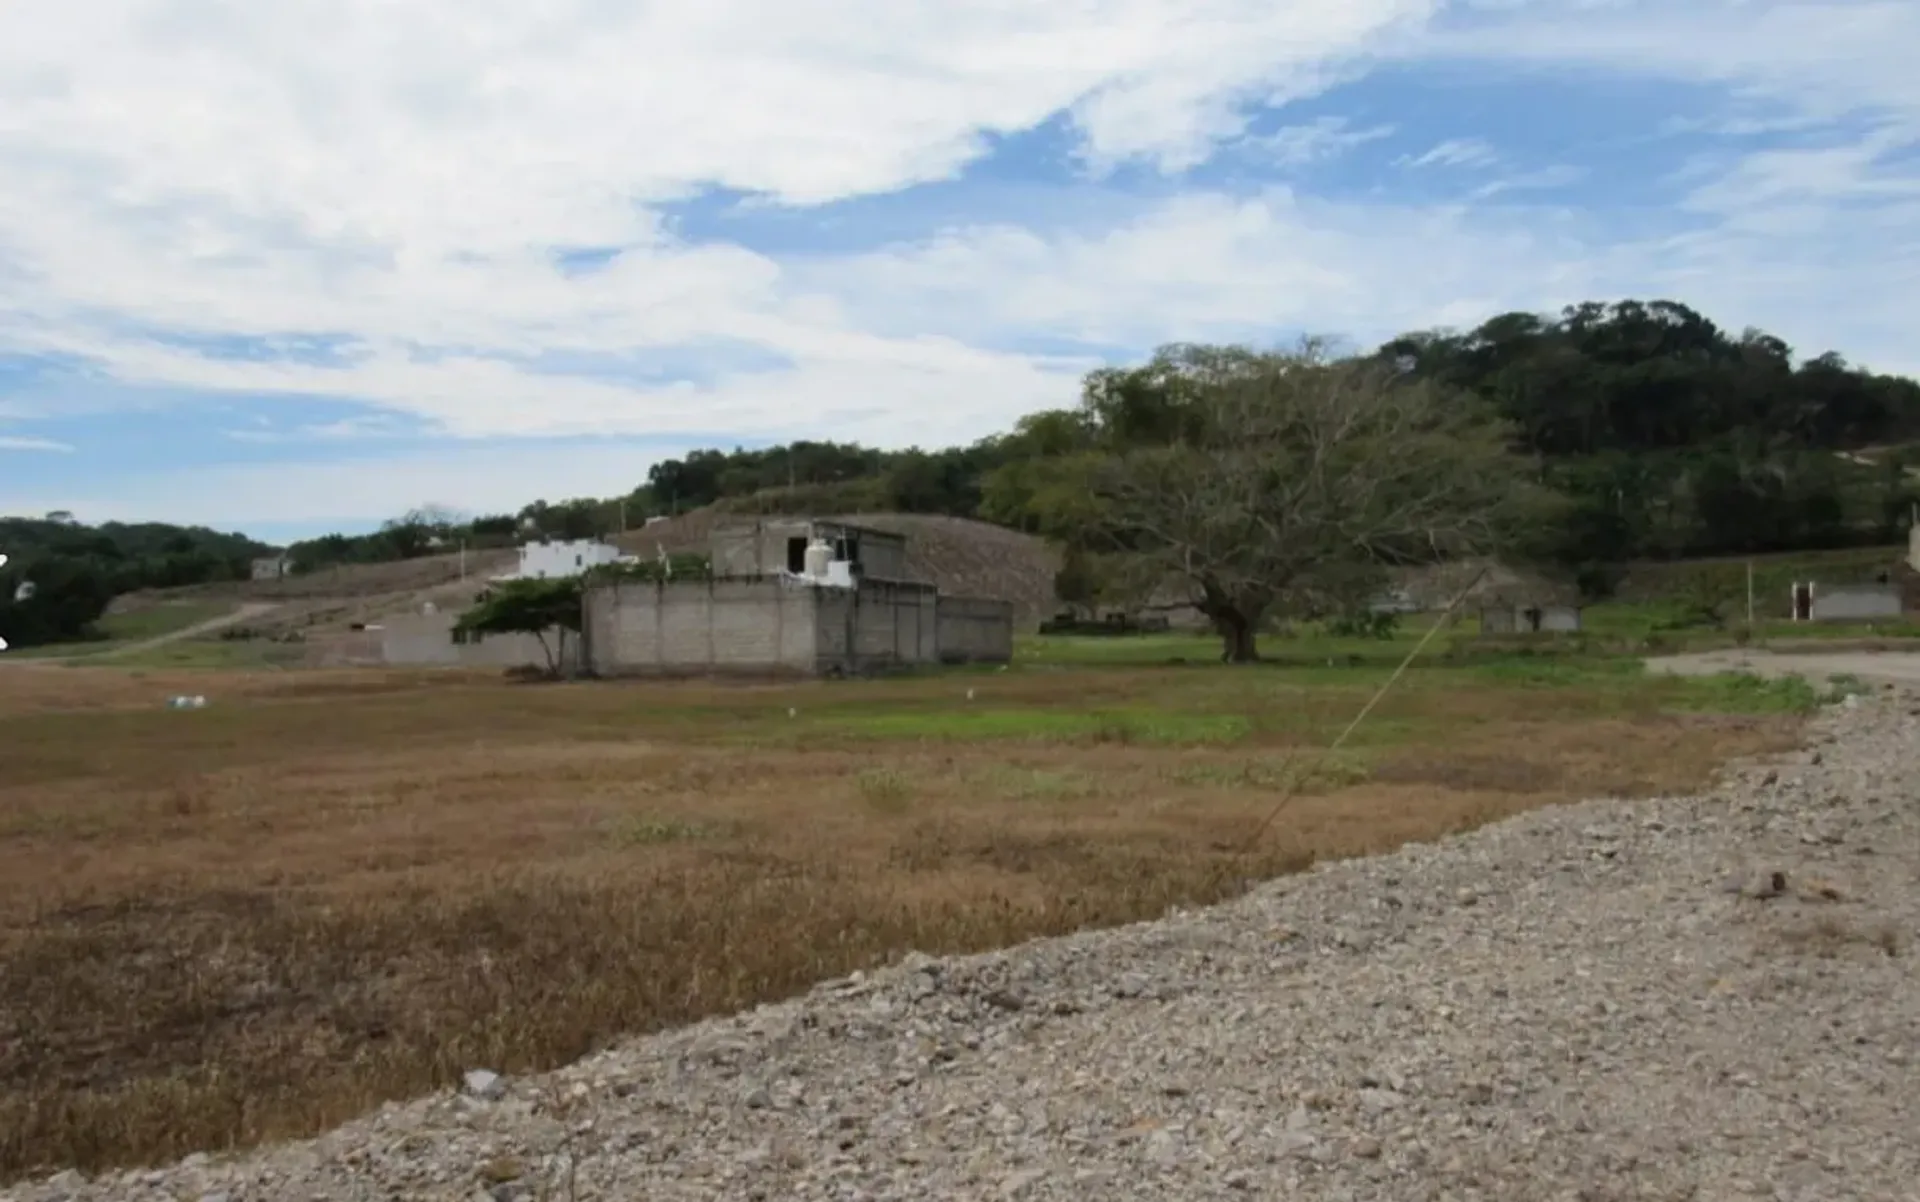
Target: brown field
point(330, 889)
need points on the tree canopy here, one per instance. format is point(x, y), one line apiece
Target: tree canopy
point(541, 608)
point(1257, 482)
point(75, 570)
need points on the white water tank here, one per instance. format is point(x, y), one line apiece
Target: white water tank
point(819, 555)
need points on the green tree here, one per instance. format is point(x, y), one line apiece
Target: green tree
point(64, 598)
point(1079, 584)
point(1266, 484)
point(541, 608)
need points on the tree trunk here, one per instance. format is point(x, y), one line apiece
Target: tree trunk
point(1236, 638)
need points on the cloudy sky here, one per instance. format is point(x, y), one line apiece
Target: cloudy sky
point(299, 265)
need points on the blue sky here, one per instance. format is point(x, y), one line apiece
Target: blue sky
point(363, 257)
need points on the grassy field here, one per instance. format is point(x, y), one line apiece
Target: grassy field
point(121, 630)
point(332, 888)
point(1773, 576)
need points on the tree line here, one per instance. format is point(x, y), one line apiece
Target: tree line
point(1668, 436)
point(1621, 431)
point(1256, 485)
point(60, 574)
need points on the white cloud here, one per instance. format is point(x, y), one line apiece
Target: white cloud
point(1541, 179)
point(15, 442)
point(395, 174)
point(352, 492)
point(1457, 152)
point(1817, 58)
point(1311, 142)
point(1213, 267)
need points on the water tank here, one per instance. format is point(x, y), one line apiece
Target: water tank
point(819, 555)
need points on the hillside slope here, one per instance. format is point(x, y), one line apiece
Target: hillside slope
point(960, 556)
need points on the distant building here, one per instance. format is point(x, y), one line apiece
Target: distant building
point(1529, 619)
point(1529, 607)
point(799, 596)
point(559, 560)
point(272, 567)
point(784, 597)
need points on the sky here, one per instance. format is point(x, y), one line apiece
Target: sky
point(300, 266)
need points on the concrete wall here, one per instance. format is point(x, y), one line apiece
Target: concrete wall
point(1516, 619)
point(736, 551)
point(700, 626)
point(881, 624)
point(760, 548)
point(775, 626)
point(975, 630)
point(1562, 619)
point(1856, 603)
point(426, 640)
point(882, 556)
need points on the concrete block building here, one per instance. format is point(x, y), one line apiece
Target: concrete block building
point(768, 547)
point(791, 597)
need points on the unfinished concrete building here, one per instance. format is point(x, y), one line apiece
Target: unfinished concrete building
point(792, 597)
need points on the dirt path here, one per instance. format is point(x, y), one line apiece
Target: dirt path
point(1897, 667)
point(250, 609)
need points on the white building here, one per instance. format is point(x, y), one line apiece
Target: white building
point(554, 561)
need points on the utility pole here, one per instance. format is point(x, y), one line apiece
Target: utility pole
point(463, 561)
point(1749, 596)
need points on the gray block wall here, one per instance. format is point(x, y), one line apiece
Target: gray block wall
point(1856, 603)
point(975, 630)
point(693, 627)
point(883, 558)
point(760, 548)
point(881, 624)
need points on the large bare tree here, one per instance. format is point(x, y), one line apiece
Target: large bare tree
point(1289, 483)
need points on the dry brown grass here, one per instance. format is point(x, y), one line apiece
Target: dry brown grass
point(329, 889)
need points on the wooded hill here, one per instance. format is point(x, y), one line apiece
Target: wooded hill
point(74, 570)
point(1672, 437)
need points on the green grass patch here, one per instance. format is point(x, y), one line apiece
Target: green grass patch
point(117, 630)
point(1746, 693)
point(203, 654)
point(1306, 645)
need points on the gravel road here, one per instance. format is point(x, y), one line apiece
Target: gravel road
point(1896, 667)
point(1708, 999)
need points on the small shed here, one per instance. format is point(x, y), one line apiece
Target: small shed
point(1847, 602)
point(1530, 609)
